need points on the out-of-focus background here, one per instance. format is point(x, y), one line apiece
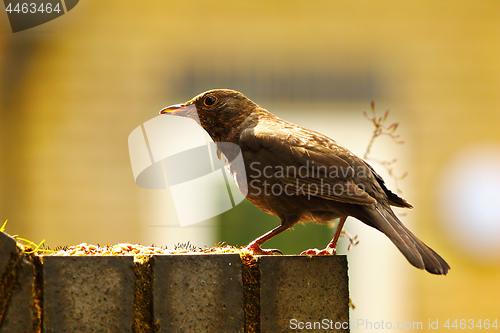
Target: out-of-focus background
point(74, 88)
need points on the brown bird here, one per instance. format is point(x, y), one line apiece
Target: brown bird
point(300, 175)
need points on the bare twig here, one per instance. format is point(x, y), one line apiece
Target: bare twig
point(353, 241)
point(379, 122)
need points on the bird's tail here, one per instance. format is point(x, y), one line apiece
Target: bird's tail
point(415, 251)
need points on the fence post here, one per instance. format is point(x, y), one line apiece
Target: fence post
point(196, 292)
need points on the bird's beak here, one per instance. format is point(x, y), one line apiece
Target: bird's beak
point(178, 109)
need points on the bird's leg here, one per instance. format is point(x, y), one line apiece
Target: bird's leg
point(254, 246)
point(331, 248)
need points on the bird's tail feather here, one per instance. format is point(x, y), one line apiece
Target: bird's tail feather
point(415, 251)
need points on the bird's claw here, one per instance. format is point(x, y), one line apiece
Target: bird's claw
point(315, 252)
point(256, 250)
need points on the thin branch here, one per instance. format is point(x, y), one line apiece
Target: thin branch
point(379, 122)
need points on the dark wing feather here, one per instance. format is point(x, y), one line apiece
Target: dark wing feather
point(393, 198)
point(310, 172)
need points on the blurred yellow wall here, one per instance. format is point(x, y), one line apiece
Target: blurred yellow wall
point(73, 89)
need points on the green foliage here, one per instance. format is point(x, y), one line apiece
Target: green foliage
point(27, 245)
point(242, 224)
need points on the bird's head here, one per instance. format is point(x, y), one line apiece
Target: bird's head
point(218, 111)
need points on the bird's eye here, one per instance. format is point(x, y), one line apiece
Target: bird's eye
point(209, 100)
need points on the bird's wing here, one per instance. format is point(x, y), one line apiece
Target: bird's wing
point(394, 199)
point(301, 169)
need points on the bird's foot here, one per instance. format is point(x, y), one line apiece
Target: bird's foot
point(328, 251)
point(256, 250)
